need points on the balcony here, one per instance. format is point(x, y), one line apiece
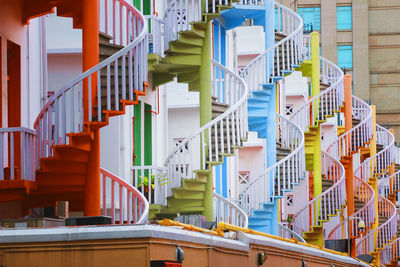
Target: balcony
point(17, 160)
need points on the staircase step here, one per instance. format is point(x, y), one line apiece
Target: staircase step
point(261, 214)
point(181, 193)
point(45, 179)
point(258, 222)
point(183, 210)
point(194, 184)
point(182, 203)
point(258, 101)
point(63, 166)
point(65, 152)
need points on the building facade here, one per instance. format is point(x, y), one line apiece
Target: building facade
point(361, 37)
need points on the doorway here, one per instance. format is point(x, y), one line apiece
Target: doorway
point(14, 102)
point(13, 84)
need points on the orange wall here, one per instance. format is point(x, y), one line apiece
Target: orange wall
point(139, 252)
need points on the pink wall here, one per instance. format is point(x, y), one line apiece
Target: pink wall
point(11, 28)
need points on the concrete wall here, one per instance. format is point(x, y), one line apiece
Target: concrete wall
point(376, 50)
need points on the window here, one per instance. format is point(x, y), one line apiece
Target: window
point(289, 110)
point(311, 15)
point(345, 56)
point(344, 18)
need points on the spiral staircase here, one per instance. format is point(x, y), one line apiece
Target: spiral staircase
point(66, 126)
point(351, 142)
point(309, 220)
point(186, 42)
point(259, 198)
point(375, 170)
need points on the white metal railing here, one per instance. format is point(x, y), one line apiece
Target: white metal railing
point(76, 98)
point(283, 55)
point(17, 154)
point(127, 204)
point(178, 18)
point(389, 185)
point(252, 2)
point(228, 212)
point(152, 182)
point(358, 136)
point(390, 253)
point(326, 204)
point(306, 47)
point(397, 155)
point(349, 142)
point(384, 233)
point(281, 176)
point(380, 162)
point(327, 102)
point(230, 125)
point(364, 193)
point(286, 232)
point(156, 34)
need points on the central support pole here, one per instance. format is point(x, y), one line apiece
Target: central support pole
point(349, 157)
point(90, 58)
point(269, 28)
point(373, 180)
point(392, 170)
point(206, 112)
point(315, 90)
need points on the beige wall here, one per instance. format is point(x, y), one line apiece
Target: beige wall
point(375, 37)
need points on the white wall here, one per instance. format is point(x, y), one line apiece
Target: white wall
point(296, 84)
point(250, 40)
point(62, 68)
point(61, 34)
point(300, 199)
point(34, 74)
point(251, 157)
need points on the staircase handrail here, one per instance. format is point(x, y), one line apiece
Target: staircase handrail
point(258, 190)
point(389, 183)
point(290, 232)
point(181, 168)
point(336, 91)
point(365, 193)
point(157, 181)
point(27, 140)
point(136, 210)
point(307, 217)
point(384, 233)
point(381, 160)
point(294, 38)
point(156, 34)
point(228, 212)
point(344, 144)
point(397, 154)
point(390, 253)
point(58, 102)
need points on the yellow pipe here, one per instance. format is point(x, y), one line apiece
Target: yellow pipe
point(167, 222)
point(225, 226)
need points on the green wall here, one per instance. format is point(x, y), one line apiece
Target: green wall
point(147, 134)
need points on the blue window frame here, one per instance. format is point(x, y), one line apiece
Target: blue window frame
point(311, 15)
point(345, 56)
point(344, 16)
